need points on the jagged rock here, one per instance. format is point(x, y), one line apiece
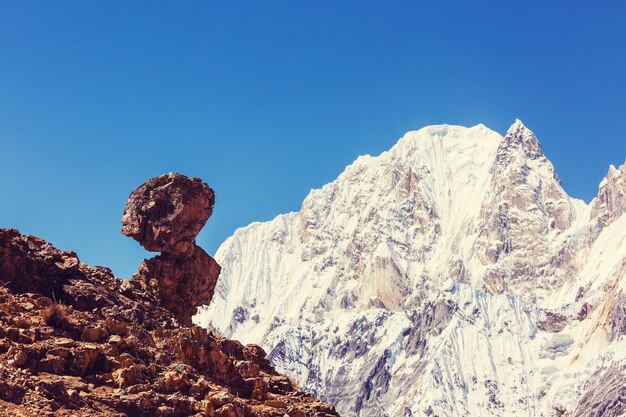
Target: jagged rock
point(134, 374)
point(181, 284)
point(610, 202)
point(166, 213)
point(115, 327)
point(229, 410)
point(276, 403)
point(93, 334)
point(30, 264)
point(605, 394)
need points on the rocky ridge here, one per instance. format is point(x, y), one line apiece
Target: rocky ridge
point(77, 341)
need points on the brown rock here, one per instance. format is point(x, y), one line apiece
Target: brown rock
point(115, 327)
point(93, 334)
point(85, 360)
point(19, 357)
point(255, 388)
point(122, 361)
point(280, 385)
point(64, 342)
point(116, 340)
point(295, 412)
point(276, 403)
point(11, 392)
point(229, 410)
point(21, 323)
point(135, 374)
point(174, 381)
point(166, 213)
point(247, 369)
point(30, 264)
point(181, 284)
point(52, 364)
point(208, 408)
point(219, 398)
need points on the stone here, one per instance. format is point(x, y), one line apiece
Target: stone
point(276, 403)
point(85, 360)
point(219, 398)
point(247, 369)
point(115, 327)
point(93, 334)
point(295, 412)
point(116, 340)
point(29, 264)
point(52, 364)
point(134, 374)
point(19, 357)
point(166, 213)
point(229, 410)
point(64, 342)
point(181, 284)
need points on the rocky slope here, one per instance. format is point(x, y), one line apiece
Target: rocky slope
point(451, 275)
point(76, 341)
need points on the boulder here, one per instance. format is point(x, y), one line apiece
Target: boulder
point(166, 213)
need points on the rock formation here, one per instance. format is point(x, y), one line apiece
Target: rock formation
point(610, 203)
point(77, 341)
point(165, 214)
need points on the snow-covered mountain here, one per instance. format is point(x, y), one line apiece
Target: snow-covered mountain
point(450, 276)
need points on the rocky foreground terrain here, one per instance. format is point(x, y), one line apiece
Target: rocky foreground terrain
point(449, 276)
point(77, 341)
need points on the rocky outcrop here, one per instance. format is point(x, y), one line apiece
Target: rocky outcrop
point(165, 214)
point(525, 208)
point(181, 283)
point(610, 202)
point(609, 400)
point(76, 341)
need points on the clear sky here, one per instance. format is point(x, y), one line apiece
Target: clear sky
point(265, 100)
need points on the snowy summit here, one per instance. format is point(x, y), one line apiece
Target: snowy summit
point(451, 275)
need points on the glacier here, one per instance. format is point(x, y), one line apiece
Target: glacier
point(449, 276)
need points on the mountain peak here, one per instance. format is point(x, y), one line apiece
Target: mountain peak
point(610, 203)
point(517, 124)
point(520, 137)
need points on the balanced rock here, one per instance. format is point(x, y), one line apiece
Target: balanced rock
point(166, 214)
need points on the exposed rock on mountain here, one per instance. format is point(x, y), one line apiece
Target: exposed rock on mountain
point(611, 201)
point(180, 283)
point(166, 214)
point(450, 276)
point(76, 341)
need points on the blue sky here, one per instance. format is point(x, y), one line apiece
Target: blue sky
point(266, 100)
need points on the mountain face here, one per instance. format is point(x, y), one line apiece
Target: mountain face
point(450, 276)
